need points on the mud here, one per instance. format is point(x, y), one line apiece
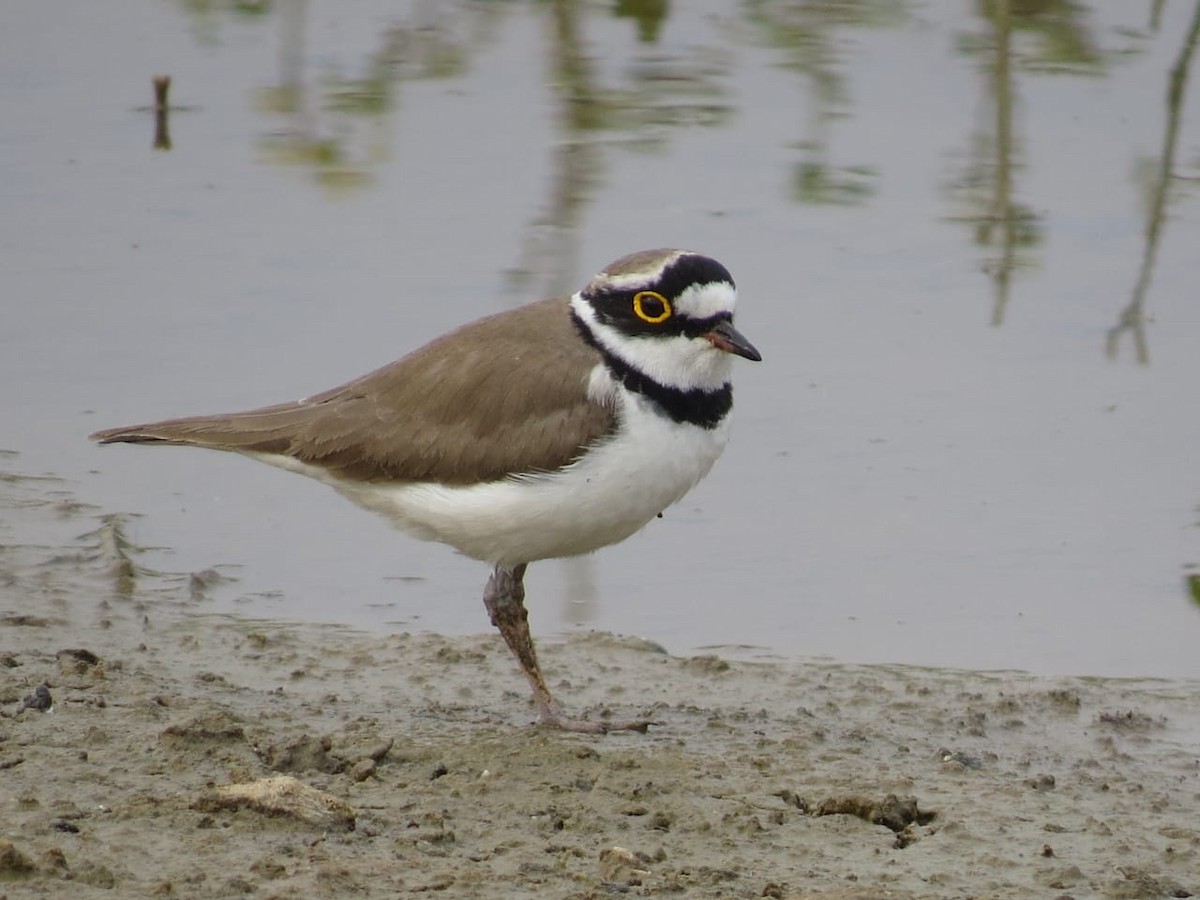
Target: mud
point(150, 750)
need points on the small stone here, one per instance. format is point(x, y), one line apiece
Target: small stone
point(305, 753)
point(95, 875)
point(13, 863)
point(282, 795)
point(54, 860)
point(40, 699)
point(77, 661)
point(619, 864)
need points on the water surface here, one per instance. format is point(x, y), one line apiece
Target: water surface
point(964, 236)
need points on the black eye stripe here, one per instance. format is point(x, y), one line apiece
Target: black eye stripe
point(616, 308)
point(697, 327)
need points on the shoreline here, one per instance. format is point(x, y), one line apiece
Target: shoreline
point(190, 754)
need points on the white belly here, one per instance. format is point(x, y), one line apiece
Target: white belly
point(603, 498)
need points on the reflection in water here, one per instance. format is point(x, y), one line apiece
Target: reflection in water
point(323, 132)
point(665, 94)
point(1061, 40)
point(1156, 11)
point(440, 43)
point(649, 15)
point(301, 142)
point(547, 266)
point(1003, 215)
point(1035, 36)
point(1132, 318)
point(808, 33)
point(162, 112)
point(207, 18)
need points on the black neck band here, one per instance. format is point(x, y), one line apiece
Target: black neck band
point(695, 405)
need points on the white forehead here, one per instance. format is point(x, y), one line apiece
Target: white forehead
point(642, 275)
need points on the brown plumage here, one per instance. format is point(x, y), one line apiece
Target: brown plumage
point(428, 416)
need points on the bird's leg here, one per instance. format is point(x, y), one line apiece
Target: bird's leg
point(504, 597)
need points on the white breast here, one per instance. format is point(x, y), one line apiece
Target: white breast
point(612, 491)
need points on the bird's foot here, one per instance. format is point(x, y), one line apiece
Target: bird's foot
point(593, 726)
point(504, 597)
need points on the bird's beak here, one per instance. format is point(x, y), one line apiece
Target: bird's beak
point(725, 337)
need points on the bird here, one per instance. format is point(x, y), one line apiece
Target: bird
point(548, 430)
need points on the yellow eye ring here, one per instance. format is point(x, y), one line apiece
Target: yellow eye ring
point(644, 299)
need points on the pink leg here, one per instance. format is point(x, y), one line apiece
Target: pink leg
point(504, 598)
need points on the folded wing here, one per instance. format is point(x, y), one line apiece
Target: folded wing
point(481, 403)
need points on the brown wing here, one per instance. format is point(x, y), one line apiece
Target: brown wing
point(503, 395)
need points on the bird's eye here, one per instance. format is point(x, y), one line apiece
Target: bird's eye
point(651, 307)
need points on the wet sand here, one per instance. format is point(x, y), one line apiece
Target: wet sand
point(175, 753)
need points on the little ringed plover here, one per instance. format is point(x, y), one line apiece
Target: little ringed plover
point(549, 430)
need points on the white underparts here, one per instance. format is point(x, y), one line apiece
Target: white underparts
point(614, 489)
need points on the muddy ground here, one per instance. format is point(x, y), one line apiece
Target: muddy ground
point(176, 754)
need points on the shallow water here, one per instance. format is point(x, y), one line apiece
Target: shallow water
point(973, 439)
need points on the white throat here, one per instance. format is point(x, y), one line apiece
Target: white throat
point(679, 361)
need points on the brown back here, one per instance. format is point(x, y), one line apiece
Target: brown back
point(504, 395)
